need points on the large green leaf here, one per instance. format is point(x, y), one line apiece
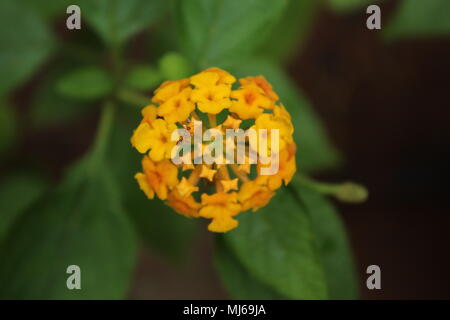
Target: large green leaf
point(85, 83)
point(236, 279)
point(26, 43)
point(48, 9)
point(222, 32)
point(277, 244)
point(420, 19)
point(315, 151)
point(117, 20)
point(290, 32)
point(332, 244)
point(349, 5)
point(82, 223)
point(159, 227)
point(17, 193)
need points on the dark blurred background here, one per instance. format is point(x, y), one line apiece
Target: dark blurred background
point(384, 105)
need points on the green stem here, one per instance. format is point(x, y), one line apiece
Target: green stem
point(345, 192)
point(133, 98)
point(103, 132)
point(325, 188)
point(117, 63)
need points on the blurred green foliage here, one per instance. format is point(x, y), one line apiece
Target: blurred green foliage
point(289, 33)
point(50, 107)
point(343, 6)
point(85, 83)
point(143, 77)
point(26, 43)
point(276, 244)
point(82, 222)
point(27, 187)
point(236, 278)
point(50, 10)
point(117, 20)
point(331, 244)
point(174, 66)
point(221, 33)
point(294, 248)
point(418, 19)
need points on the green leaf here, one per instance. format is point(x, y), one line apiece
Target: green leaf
point(174, 66)
point(420, 19)
point(50, 107)
point(277, 245)
point(332, 244)
point(7, 127)
point(49, 9)
point(350, 5)
point(82, 223)
point(236, 279)
point(85, 83)
point(315, 151)
point(26, 43)
point(159, 227)
point(291, 31)
point(117, 20)
point(222, 32)
point(17, 193)
point(143, 77)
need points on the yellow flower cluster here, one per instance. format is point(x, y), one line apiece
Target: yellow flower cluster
point(213, 191)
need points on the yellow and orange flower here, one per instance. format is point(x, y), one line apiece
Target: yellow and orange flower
point(158, 177)
point(270, 121)
point(249, 101)
point(185, 205)
point(221, 207)
point(212, 89)
point(217, 191)
point(177, 108)
point(262, 83)
point(286, 168)
point(169, 89)
point(254, 194)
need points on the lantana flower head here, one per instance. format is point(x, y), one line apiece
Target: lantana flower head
point(221, 188)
